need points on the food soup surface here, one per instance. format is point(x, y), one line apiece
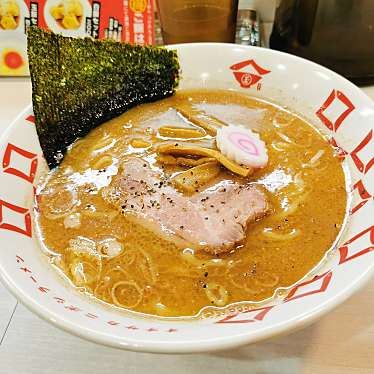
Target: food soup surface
point(110, 255)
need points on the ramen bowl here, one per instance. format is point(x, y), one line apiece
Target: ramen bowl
point(332, 104)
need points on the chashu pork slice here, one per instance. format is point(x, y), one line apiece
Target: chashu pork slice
point(214, 220)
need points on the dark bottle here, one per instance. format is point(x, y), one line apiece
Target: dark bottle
point(338, 34)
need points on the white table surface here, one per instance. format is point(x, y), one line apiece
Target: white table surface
point(341, 342)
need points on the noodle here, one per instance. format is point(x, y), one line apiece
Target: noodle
point(102, 162)
point(217, 294)
point(272, 281)
point(279, 122)
point(146, 267)
point(280, 146)
point(120, 270)
point(316, 158)
point(58, 203)
point(101, 215)
point(276, 236)
point(103, 144)
point(291, 209)
point(247, 289)
point(288, 140)
point(190, 257)
point(127, 257)
point(315, 161)
point(78, 146)
point(72, 221)
point(105, 294)
point(161, 309)
point(83, 272)
point(127, 284)
point(299, 182)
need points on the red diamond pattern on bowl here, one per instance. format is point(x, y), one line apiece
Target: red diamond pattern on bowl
point(30, 118)
point(15, 213)
point(247, 79)
point(152, 329)
point(364, 195)
point(365, 160)
point(91, 315)
point(317, 284)
point(341, 152)
point(254, 315)
point(25, 162)
point(335, 95)
point(359, 245)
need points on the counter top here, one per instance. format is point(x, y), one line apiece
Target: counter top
point(341, 342)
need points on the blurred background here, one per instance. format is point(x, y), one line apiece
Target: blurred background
point(334, 33)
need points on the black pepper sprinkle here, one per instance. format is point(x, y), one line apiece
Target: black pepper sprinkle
point(206, 218)
point(212, 206)
point(132, 206)
point(181, 227)
point(204, 285)
point(144, 165)
point(206, 274)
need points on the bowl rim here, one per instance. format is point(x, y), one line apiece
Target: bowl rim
point(195, 345)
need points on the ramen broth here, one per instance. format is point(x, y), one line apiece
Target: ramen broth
point(125, 264)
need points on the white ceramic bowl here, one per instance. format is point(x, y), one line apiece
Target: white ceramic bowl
point(326, 99)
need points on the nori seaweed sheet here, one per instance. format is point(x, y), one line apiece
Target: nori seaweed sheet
point(79, 83)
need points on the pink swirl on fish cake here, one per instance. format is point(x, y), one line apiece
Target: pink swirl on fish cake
point(244, 143)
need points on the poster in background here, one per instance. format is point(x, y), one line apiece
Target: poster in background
point(121, 20)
